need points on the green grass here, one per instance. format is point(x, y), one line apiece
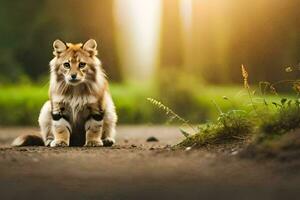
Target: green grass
point(279, 133)
point(284, 119)
point(268, 127)
point(20, 104)
point(239, 116)
point(287, 118)
point(231, 126)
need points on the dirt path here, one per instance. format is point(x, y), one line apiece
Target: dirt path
point(136, 169)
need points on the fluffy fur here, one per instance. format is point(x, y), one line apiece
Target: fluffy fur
point(80, 110)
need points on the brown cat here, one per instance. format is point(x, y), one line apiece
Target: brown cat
point(80, 110)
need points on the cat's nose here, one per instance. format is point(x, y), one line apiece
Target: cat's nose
point(73, 76)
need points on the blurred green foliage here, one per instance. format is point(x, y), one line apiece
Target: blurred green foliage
point(20, 105)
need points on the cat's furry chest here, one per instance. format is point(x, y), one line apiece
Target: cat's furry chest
point(76, 107)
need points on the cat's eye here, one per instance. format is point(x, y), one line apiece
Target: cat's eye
point(82, 65)
point(67, 65)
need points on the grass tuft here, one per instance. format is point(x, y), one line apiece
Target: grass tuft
point(279, 134)
point(231, 126)
point(286, 119)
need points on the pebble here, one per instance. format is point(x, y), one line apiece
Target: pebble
point(188, 148)
point(152, 139)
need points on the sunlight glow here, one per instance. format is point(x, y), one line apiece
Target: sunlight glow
point(186, 14)
point(138, 31)
point(186, 8)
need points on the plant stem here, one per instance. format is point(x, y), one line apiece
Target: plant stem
point(217, 106)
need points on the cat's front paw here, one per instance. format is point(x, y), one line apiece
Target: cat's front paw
point(59, 143)
point(94, 143)
point(108, 142)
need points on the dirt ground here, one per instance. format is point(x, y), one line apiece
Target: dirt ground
point(136, 169)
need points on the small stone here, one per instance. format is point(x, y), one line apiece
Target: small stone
point(133, 145)
point(188, 148)
point(152, 139)
point(126, 141)
point(152, 148)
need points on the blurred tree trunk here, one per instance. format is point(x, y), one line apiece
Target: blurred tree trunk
point(171, 35)
point(106, 32)
point(211, 39)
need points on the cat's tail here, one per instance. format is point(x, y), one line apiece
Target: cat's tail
point(28, 140)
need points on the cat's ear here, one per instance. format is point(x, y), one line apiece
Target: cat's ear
point(91, 47)
point(59, 47)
